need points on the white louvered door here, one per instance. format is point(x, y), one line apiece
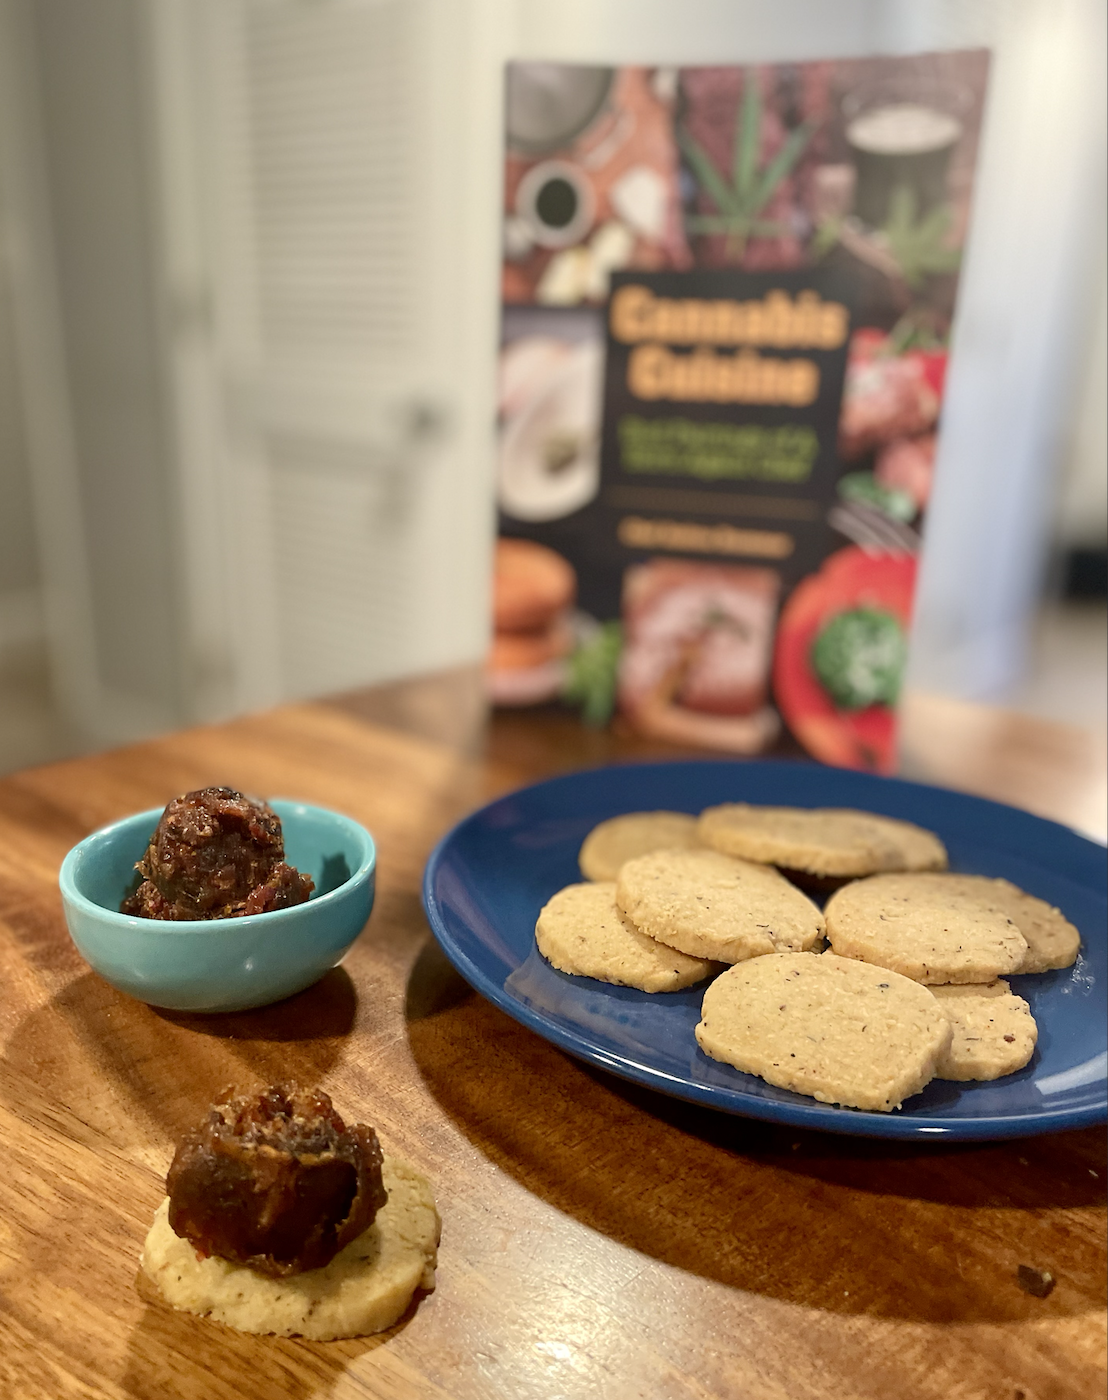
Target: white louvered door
point(347, 159)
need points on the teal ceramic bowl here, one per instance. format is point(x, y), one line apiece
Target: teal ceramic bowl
point(221, 964)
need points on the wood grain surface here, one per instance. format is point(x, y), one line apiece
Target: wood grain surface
point(598, 1240)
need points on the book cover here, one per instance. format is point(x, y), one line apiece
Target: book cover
point(726, 305)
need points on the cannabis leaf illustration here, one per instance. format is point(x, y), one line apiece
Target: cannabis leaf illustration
point(741, 202)
point(918, 246)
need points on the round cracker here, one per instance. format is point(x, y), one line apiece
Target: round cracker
point(994, 1031)
point(365, 1288)
point(620, 839)
point(580, 931)
point(821, 841)
point(713, 906)
point(926, 927)
point(833, 1029)
point(1052, 941)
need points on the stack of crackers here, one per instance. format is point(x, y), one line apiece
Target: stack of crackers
point(899, 979)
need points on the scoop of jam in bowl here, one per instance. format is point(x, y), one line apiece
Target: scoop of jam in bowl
point(221, 902)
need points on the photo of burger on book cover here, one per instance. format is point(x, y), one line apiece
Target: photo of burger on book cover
point(727, 298)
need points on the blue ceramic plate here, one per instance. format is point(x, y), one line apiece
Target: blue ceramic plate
point(488, 878)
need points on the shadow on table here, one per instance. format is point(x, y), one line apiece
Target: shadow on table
point(128, 1066)
point(172, 1354)
point(853, 1225)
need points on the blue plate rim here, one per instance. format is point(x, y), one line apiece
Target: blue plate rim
point(813, 1116)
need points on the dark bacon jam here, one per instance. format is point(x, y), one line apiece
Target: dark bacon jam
point(216, 854)
point(275, 1181)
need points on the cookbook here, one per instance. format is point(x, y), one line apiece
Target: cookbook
point(727, 296)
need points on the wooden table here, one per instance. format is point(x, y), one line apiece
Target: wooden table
point(598, 1240)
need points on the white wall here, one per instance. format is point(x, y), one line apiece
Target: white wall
point(20, 604)
point(1082, 520)
point(95, 126)
point(695, 31)
point(1020, 341)
point(21, 622)
point(86, 333)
